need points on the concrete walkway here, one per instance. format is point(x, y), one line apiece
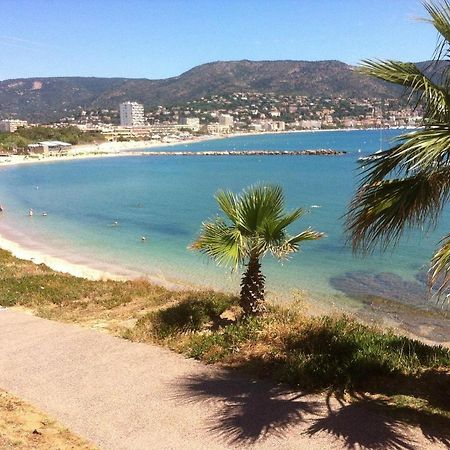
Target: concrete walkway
point(124, 395)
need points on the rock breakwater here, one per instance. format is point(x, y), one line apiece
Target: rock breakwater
point(318, 152)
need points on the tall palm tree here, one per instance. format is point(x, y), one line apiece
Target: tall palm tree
point(256, 225)
point(408, 185)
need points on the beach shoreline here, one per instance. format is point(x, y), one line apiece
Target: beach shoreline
point(131, 148)
point(102, 150)
point(96, 271)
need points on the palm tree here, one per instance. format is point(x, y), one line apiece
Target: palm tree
point(408, 185)
point(256, 226)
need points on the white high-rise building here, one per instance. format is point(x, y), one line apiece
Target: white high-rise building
point(226, 119)
point(131, 114)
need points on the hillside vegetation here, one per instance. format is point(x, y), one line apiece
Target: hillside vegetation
point(46, 99)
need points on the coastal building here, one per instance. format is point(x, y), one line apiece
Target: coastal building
point(193, 123)
point(49, 148)
point(268, 125)
point(11, 125)
point(310, 124)
point(226, 120)
point(131, 114)
point(114, 133)
point(274, 125)
point(217, 128)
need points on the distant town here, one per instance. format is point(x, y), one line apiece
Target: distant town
point(227, 114)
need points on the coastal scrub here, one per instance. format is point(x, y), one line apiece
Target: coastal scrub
point(335, 354)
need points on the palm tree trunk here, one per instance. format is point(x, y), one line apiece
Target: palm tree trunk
point(252, 288)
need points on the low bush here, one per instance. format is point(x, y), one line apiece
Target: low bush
point(193, 313)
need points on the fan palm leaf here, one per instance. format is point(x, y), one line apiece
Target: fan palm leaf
point(408, 185)
point(255, 224)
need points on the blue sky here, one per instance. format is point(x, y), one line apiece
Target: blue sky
point(163, 38)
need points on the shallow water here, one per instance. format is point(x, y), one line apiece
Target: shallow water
point(166, 198)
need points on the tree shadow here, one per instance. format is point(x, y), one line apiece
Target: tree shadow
point(363, 424)
point(247, 411)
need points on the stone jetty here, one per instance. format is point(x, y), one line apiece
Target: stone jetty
point(318, 152)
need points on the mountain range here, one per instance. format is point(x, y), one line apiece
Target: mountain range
point(44, 99)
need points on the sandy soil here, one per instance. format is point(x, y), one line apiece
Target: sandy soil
point(24, 427)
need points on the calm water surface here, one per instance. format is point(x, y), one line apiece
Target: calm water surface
point(166, 199)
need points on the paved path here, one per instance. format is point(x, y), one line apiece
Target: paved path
point(124, 395)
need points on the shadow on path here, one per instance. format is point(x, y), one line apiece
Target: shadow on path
point(363, 424)
point(250, 412)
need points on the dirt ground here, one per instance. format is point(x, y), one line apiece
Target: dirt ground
point(24, 427)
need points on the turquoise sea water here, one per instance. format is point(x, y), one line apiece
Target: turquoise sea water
point(166, 199)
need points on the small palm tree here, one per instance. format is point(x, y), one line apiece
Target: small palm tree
point(409, 184)
point(256, 225)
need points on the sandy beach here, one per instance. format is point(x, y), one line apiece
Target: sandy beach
point(91, 271)
point(131, 148)
point(103, 150)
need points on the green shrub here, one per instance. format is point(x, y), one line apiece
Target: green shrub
point(218, 345)
point(191, 314)
point(340, 352)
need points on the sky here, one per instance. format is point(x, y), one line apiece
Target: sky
point(163, 38)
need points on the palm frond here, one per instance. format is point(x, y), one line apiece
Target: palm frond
point(422, 150)
point(440, 271)
point(426, 149)
point(440, 19)
point(258, 226)
point(418, 85)
point(228, 204)
point(274, 229)
point(381, 211)
point(259, 204)
point(221, 243)
point(292, 243)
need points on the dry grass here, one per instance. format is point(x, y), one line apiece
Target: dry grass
point(114, 306)
point(24, 427)
point(337, 354)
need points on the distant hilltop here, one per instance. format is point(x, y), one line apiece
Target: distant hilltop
point(49, 99)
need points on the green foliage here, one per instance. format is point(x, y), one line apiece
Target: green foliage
point(221, 344)
point(310, 353)
point(408, 185)
point(24, 136)
point(256, 224)
point(344, 354)
point(191, 314)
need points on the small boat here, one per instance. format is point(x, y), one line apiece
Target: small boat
point(30, 212)
point(143, 238)
point(44, 214)
point(370, 157)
